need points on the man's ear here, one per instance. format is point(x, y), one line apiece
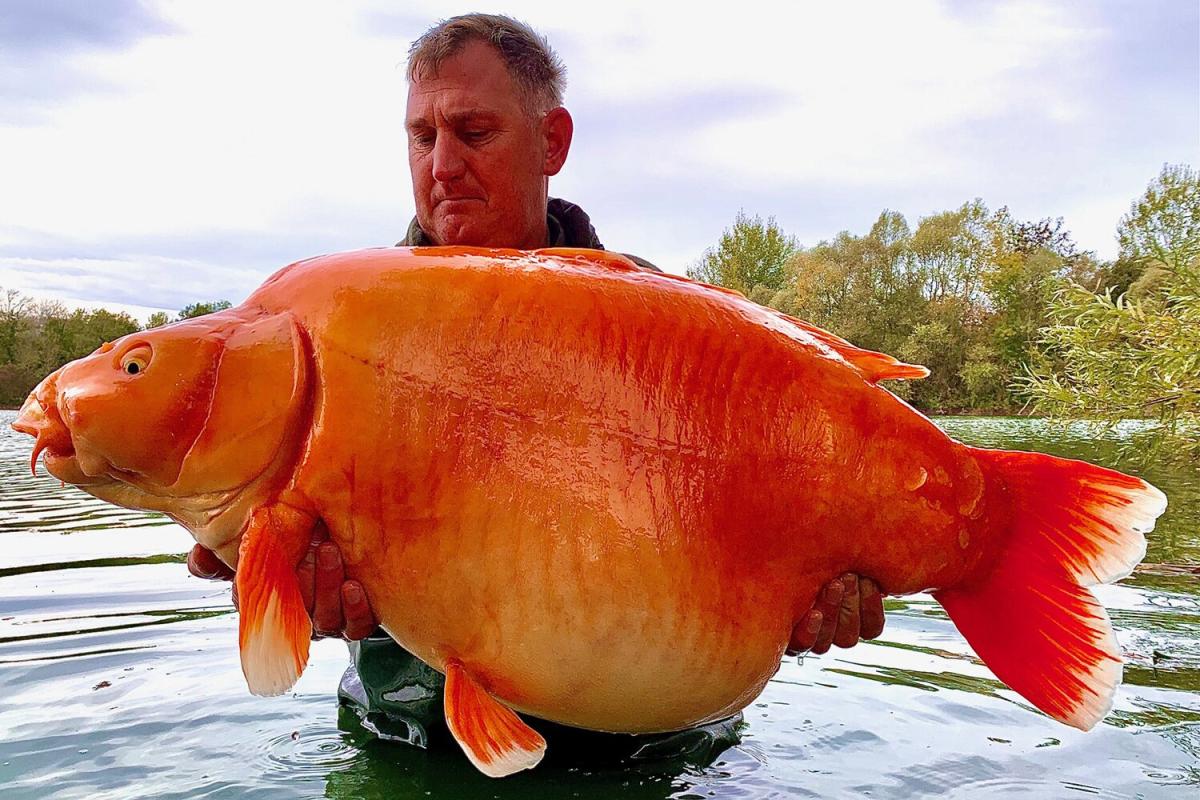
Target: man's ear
point(557, 128)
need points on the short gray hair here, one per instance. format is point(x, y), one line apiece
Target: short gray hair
point(534, 66)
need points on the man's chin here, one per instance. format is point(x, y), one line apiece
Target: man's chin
point(460, 230)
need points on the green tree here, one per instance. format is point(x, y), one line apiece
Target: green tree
point(1163, 225)
point(157, 320)
point(13, 321)
point(749, 255)
point(1020, 287)
point(860, 287)
point(985, 378)
point(200, 309)
point(951, 250)
point(1136, 356)
point(90, 329)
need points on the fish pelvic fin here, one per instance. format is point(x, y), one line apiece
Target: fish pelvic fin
point(494, 738)
point(274, 629)
point(1031, 618)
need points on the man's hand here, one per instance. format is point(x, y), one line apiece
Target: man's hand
point(203, 563)
point(338, 607)
point(847, 609)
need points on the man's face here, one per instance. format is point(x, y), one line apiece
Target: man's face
point(479, 161)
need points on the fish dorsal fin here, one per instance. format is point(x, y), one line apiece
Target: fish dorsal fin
point(494, 738)
point(874, 366)
point(591, 258)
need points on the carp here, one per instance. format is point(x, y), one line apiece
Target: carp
point(583, 491)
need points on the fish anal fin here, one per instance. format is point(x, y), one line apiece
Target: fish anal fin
point(274, 628)
point(1030, 617)
point(494, 738)
point(874, 366)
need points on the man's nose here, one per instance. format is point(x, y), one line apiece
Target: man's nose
point(448, 163)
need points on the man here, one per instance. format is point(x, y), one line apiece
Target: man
point(486, 131)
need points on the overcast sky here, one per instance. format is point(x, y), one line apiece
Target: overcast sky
point(153, 154)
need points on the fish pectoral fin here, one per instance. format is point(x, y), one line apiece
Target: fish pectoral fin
point(496, 740)
point(274, 629)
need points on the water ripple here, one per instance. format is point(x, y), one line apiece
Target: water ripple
point(310, 752)
point(120, 678)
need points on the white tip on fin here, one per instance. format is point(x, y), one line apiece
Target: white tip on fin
point(273, 627)
point(270, 660)
point(494, 738)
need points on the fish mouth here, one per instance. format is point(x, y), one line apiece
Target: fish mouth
point(46, 428)
point(39, 417)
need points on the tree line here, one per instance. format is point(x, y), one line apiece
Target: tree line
point(1009, 315)
point(38, 337)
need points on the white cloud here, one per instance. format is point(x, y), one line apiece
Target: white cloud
point(281, 123)
point(248, 111)
point(132, 284)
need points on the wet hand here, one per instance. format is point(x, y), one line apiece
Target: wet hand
point(203, 563)
point(848, 609)
point(338, 607)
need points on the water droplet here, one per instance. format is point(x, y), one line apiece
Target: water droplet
point(917, 480)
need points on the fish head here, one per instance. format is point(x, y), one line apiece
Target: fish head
point(173, 418)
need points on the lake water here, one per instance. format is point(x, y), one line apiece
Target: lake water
point(119, 678)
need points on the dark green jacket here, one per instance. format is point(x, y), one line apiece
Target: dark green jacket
point(568, 225)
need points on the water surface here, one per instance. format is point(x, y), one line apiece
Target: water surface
point(119, 678)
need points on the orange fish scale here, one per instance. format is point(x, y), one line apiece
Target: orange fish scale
point(589, 483)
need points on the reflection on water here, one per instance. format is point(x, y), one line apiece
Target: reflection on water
point(119, 678)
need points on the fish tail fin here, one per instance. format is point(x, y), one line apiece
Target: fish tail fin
point(1031, 618)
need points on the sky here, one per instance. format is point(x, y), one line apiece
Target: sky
point(159, 153)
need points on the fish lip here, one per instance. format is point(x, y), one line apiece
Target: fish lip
point(29, 416)
point(42, 420)
point(65, 467)
point(33, 420)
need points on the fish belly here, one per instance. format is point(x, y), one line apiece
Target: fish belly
point(593, 627)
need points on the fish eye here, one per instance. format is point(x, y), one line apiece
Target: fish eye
point(136, 360)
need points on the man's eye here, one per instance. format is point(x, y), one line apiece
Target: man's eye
point(422, 139)
point(476, 136)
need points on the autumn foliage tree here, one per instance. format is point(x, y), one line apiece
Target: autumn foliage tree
point(1006, 313)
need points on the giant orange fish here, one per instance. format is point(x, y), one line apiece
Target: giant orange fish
point(583, 491)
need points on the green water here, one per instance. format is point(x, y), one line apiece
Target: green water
point(119, 678)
